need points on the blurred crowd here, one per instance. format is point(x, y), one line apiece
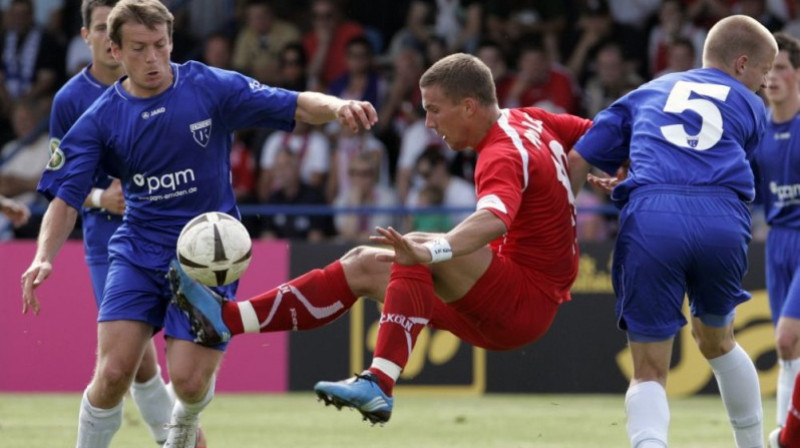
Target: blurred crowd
point(574, 56)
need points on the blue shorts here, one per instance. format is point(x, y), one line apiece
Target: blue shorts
point(783, 272)
point(143, 294)
point(673, 241)
point(98, 270)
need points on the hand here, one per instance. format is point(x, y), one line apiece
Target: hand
point(357, 114)
point(406, 251)
point(112, 198)
point(31, 279)
point(17, 212)
point(608, 183)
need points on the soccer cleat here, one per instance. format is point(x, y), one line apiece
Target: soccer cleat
point(202, 305)
point(775, 438)
point(183, 436)
point(360, 392)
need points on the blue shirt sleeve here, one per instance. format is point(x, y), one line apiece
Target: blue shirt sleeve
point(607, 143)
point(252, 104)
point(70, 173)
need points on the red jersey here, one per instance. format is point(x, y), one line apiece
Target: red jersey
point(522, 177)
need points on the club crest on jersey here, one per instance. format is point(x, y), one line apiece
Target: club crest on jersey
point(56, 155)
point(201, 132)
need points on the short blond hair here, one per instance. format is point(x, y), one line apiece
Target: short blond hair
point(149, 13)
point(460, 76)
point(735, 36)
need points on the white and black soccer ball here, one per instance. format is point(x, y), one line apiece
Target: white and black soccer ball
point(214, 248)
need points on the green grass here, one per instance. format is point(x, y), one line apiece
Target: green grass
point(297, 420)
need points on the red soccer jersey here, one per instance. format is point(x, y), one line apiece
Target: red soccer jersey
point(522, 177)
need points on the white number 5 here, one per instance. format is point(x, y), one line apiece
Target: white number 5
point(711, 127)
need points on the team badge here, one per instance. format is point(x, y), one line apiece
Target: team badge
point(57, 158)
point(201, 132)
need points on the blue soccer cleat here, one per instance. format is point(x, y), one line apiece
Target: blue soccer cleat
point(202, 305)
point(360, 392)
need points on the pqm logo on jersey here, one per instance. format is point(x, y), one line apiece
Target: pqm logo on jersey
point(440, 361)
point(201, 132)
point(57, 158)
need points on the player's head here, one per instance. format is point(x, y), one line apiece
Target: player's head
point(742, 47)
point(458, 95)
point(141, 39)
point(784, 78)
point(95, 31)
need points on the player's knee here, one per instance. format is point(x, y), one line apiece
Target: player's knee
point(113, 378)
point(787, 344)
point(365, 275)
point(191, 387)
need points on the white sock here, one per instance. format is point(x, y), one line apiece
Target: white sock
point(155, 404)
point(648, 415)
point(738, 384)
point(96, 427)
point(787, 372)
point(185, 417)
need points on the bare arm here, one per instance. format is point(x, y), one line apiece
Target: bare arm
point(578, 170)
point(58, 222)
point(318, 108)
point(478, 230)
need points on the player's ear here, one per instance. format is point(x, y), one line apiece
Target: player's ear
point(85, 34)
point(740, 64)
point(116, 52)
point(470, 105)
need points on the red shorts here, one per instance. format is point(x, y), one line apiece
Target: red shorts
point(510, 306)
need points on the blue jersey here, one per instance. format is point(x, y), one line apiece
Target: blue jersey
point(776, 164)
point(71, 101)
point(695, 128)
point(171, 151)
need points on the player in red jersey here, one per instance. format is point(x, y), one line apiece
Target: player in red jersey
point(495, 280)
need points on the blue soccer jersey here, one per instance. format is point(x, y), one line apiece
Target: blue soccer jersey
point(171, 151)
point(71, 101)
point(777, 168)
point(701, 127)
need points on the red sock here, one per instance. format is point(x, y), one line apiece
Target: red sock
point(790, 435)
point(309, 301)
point(406, 311)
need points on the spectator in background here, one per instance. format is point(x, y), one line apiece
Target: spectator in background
point(292, 69)
point(705, 13)
point(217, 51)
point(416, 139)
point(32, 59)
point(544, 18)
point(432, 167)
point(363, 190)
point(673, 24)
point(757, 9)
point(594, 27)
point(681, 57)
point(416, 31)
point(291, 190)
point(613, 78)
point(430, 196)
point(493, 56)
point(17, 212)
point(361, 81)
point(326, 43)
point(23, 159)
point(258, 45)
point(542, 83)
point(403, 98)
point(311, 148)
point(347, 146)
point(243, 170)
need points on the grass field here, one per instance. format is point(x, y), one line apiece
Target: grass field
point(297, 420)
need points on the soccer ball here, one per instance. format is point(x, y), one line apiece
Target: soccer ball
point(214, 249)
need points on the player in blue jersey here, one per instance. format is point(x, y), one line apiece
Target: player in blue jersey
point(102, 210)
point(776, 165)
point(165, 130)
point(685, 223)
